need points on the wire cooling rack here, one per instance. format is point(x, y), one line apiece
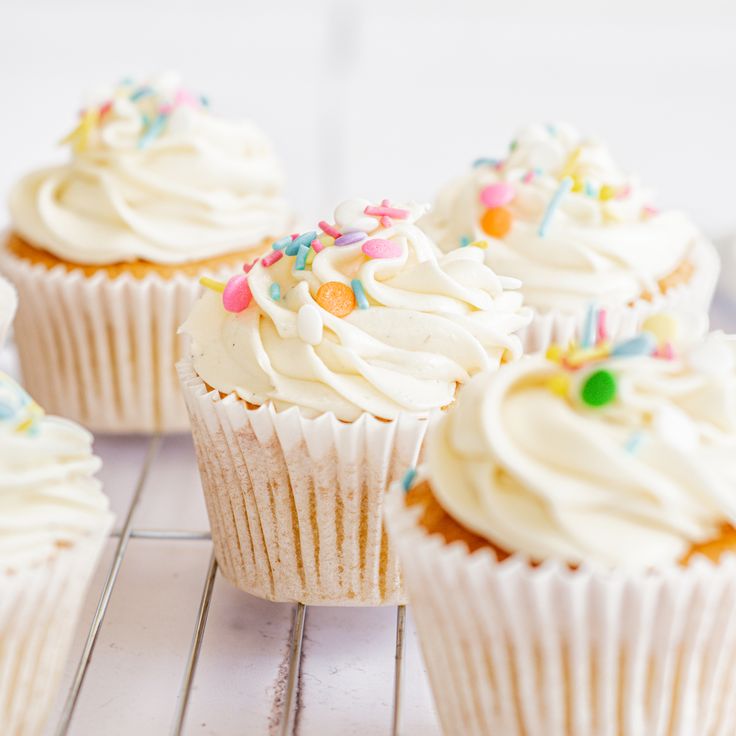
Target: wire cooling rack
point(347, 671)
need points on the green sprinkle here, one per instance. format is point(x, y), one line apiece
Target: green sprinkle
point(408, 479)
point(275, 292)
point(599, 388)
point(359, 293)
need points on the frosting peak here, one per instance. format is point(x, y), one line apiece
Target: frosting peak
point(155, 176)
point(363, 315)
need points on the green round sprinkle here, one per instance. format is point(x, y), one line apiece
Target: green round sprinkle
point(599, 388)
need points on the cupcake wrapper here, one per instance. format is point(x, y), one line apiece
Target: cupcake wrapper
point(295, 504)
point(8, 305)
point(692, 298)
point(549, 651)
point(39, 608)
point(102, 351)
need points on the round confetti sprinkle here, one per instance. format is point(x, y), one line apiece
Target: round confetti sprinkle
point(309, 324)
point(599, 388)
point(237, 295)
point(335, 297)
point(381, 248)
point(496, 222)
point(497, 195)
point(663, 326)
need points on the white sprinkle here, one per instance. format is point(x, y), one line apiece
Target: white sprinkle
point(309, 324)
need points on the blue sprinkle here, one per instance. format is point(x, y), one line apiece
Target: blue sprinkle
point(140, 93)
point(464, 241)
point(306, 239)
point(591, 190)
point(408, 479)
point(485, 162)
point(589, 328)
point(301, 257)
point(275, 292)
point(359, 293)
point(551, 129)
point(281, 244)
point(153, 131)
point(643, 344)
point(634, 442)
point(562, 190)
point(204, 101)
point(5, 411)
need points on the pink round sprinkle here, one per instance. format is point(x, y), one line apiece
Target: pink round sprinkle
point(497, 195)
point(380, 248)
point(237, 294)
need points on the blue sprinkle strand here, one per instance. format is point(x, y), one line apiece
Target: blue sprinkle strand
point(140, 93)
point(153, 131)
point(464, 241)
point(643, 344)
point(485, 162)
point(359, 293)
point(301, 258)
point(589, 328)
point(275, 292)
point(562, 190)
point(591, 190)
point(408, 479)
point(634, 442)
point(306, 239)
point(281, 244)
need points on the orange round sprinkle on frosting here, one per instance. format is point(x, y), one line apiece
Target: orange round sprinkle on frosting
point(496, 222)
point(336, 298)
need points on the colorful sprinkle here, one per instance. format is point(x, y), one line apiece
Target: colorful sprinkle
point(386, 211)
point(237, 295)
point(528, 178)
point(606, 192)
point(496, 222)
point(153, 131)
point(642, 344)
point(408, 480)
point(666, 351)
point(663, 326)
point(336, 298)
point(275, 292)
point(599, 388)
point(590, 189)
point(271, 258)
point(140, 93)
point(301, 258)
point(571, 163)
point(309, 324)
point(559, 384)
point(209, 283)
point(464, 241)
point(359, 292)
point(293, 248)
point(381, 248)
point(482, 244)
point(634, 442)
point(248, 267)
point(485, 162)
point(562, 190)
point(587, 339)
point(602, 331)
point(328, 229)
point(351, 238)
point(497, 195)
point(317, 245)
point(282, 243)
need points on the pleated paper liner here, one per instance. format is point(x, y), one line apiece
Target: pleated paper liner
point(8, 305)
point(39, 609)
point(295, 504)
point(549, 651)
point(691, 298)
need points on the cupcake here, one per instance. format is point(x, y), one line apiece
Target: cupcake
point(8, 304)
point(569, 544)
point(54, 521)
point(309, 388)
point(107, 249)
point(559, 214)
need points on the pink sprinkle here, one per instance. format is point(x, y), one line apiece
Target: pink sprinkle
point(386, 221)
point(623, 193)
point(166, 109)
point(237, 294)
point(247, 266)
point(666, 351)
point(317, 244)
point(528, 177)
point(499, 165)
point(294, 236)
point(497, 195)
point(271, 258)
point(105, 108)
point(381, 248)
point(602, 331)
point(386, 211)
point(184, 97)
point(328, 229)
point(650, 210)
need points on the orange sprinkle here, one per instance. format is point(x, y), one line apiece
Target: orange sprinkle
point(496, 222)
point(336, 298)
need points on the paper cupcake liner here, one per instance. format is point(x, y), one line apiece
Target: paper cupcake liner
point(691, 298)
point(39, 609)
point(102, 351)
point(8, 305)
point(295, 504)
point(549, 651)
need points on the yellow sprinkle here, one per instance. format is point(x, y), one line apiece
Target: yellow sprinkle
point(212, 284)
point(310, 257)
point(606, 192)
point(663, 326)
point(327, 240)
point(571, 163)
point(578, 184)
point(554, 353)
point(479, 243)
point(581, 356)
point(559, 384)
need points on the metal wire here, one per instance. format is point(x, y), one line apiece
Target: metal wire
point(112, 576)
point(182, 699)
point(398, 670)
point(295, 659)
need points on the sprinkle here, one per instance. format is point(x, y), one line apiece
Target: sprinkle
point(666, 352)
point(351, 238)
point(293, 248)
point(383, 210)
point(528, 178)
point(185, 97)
point(237, 294)
point(271, 258)
point(464, 241)
point(282, 243)
point(386, 222)
point(408, 479)
point(497, 195)
point(301, 258)
point(482, 244)
point(153, 131)
point(381, 248)
point(559, 384)
point(247, 267)
point(359, 292)
point(571, 163)
point(204, 101)
point(485, 162)
point(317, 245)
point(602, 331)
point(634, 442)
point(105, 109)
point(643, 344)
point(663, 326)
point(554, 353)
point(606, 192)
point(649, 211)
point(336, 298)
point(590, 189)
point(496, 222)
point(578, 357)
point(140, 93)
point(599, 388)
point(209, 283)
point(328, 229)
point(588, 337)
point(551, 129)
point(623, 192)
point(562, 190)
point(275, 291)
point(309, 324)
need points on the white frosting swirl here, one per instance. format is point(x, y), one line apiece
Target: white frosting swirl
point(156, 178)
point(49, 497)
point(632, 484)
point(431, 322)
point(611, 247)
